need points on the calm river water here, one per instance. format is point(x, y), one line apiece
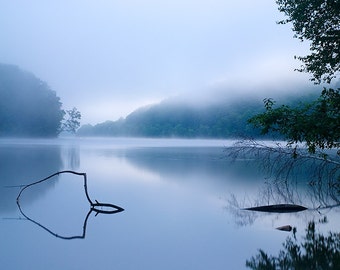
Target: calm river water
point(182, 201)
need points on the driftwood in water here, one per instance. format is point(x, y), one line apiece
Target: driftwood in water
point(94, 206)
point(286, 228)
point(278, 208)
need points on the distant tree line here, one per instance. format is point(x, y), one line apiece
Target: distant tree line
point(170, 118)
point(28, 107)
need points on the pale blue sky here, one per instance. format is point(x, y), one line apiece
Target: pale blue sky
point(109, 57)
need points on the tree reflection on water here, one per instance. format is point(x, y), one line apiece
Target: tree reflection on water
point(293, 177)
point(317, 251)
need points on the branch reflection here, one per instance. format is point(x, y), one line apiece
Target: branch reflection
point(293, 178)
point(96, 207)
point(82, 236)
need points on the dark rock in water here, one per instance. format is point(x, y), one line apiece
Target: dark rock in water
point(278, 208)
point(286, 228)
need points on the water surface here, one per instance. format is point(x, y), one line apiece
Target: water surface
point(182, 201)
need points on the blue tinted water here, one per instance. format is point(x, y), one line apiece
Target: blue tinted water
point(181, 201)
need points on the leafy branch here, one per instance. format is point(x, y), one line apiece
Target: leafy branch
point(316, 123)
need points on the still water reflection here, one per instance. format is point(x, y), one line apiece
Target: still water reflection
point(182, 201)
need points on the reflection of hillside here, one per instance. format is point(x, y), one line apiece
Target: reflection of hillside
point(21, 164)
point(200, 162)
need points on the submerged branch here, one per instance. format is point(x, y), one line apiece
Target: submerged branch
point(249, 146)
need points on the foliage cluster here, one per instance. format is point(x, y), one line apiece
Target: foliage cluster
point(72, 122)
point(318, 22)
point(316, 123)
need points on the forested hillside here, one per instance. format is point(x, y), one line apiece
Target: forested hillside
point(172, 118)
point(28, 107)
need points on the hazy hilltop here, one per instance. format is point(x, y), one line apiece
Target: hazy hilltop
point(220, 117)
point(28, 107)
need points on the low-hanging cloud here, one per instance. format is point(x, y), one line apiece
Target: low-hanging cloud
point(117, 55)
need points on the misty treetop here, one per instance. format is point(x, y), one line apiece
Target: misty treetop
point(28, 107)
point(172, 118)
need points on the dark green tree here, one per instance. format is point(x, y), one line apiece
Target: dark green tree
point(28, 107)
point(316, 21)
point(315, 123)
point(72, 121)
